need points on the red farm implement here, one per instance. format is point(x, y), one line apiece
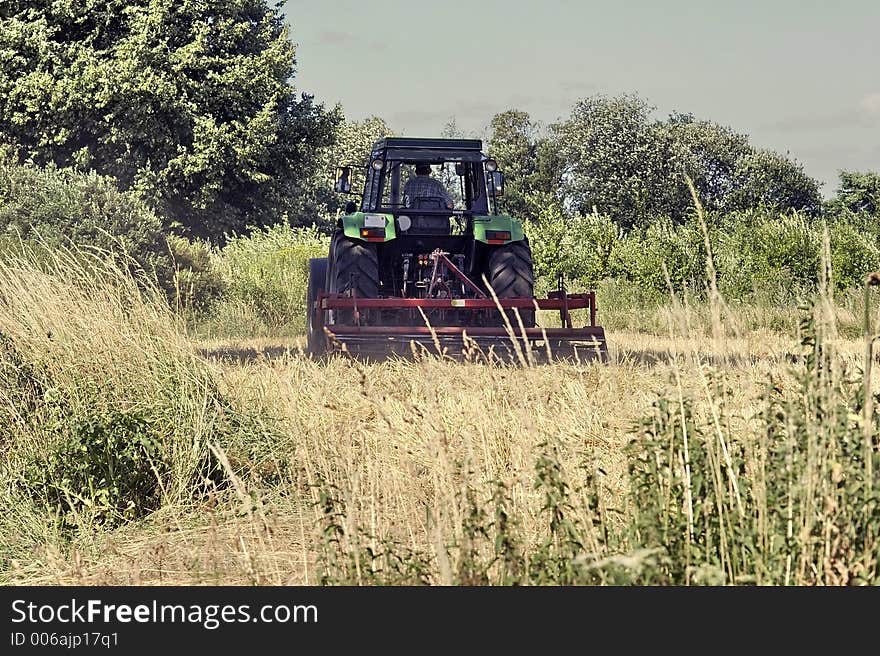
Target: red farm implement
point(456, 327)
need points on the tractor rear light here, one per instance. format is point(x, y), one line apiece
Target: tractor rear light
point(373, 234)
point(497, 236)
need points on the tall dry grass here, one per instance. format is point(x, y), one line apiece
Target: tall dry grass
point(702, 453)
point(399, 472)
point(106, 411)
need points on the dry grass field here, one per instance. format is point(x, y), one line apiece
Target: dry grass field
point(705, 453)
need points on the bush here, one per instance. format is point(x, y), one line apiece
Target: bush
point(578, 247)
point(107, 410)
point(109, 466)
point(197, 283)
point(758, 255)
point(264, 279)
point(776, 256)
point(641, 255)
point(854, 253)
point(56, 207)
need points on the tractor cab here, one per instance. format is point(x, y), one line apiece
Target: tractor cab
point(470, 183)
point(424, 195)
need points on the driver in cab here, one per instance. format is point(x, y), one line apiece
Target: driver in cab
point(422, 185)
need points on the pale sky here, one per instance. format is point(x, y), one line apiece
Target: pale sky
point(798, 76)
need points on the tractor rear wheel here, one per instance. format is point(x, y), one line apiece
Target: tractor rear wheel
point(511, 275)
point(317, 342)
point(354, 267)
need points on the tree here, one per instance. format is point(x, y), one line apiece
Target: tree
point(189, 103)
point(708, 153)
point(618, 160)
point(530, 163)
point(857, 193)
point(763, 178)
point(513, 144)
point(352, 144)
point(612, 159)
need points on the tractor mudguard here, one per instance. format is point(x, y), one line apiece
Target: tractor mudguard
point(491, 229)
point(365, 226)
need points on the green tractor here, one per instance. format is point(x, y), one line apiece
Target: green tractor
point(432, 262)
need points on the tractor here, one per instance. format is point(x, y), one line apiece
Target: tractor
point(435, 266)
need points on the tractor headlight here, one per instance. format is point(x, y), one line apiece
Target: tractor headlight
point(491, 165)
point(376, 164)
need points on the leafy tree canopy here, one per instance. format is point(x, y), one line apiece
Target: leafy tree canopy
point(186, 101)
point(353, 142)
point(56, 208)
point(857, 193)
point(610, 154)
point(529, 160)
